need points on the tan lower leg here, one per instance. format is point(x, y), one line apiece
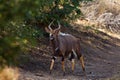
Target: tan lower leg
point(52, 64)
point(63, 66)
point(73, 64)
point(82, 63)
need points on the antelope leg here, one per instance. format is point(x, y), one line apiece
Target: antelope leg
point(73, 64)
point(63, 66)
point(82, 63)
point(72, 59)
point(52, 64)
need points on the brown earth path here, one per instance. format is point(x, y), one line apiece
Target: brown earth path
point(102, 59)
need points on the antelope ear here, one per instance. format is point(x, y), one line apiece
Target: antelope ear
point(47, 30)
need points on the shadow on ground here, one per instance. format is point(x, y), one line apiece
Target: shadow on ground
point(101, 52)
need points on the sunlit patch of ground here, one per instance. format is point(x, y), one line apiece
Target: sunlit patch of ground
point(9, 73)
point(95, 25)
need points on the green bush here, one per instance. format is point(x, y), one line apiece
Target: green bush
point(19, 21)
point(15, 39)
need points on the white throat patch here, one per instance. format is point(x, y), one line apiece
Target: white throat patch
point(63, 34)
point(50, 34)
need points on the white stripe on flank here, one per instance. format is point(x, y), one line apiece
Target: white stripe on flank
point(74, 52)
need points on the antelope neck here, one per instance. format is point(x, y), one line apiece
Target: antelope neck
point(55, 43)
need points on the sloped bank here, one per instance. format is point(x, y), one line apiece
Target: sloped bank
point(102, 59)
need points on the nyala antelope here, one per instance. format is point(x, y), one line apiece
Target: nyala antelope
point(64, 45)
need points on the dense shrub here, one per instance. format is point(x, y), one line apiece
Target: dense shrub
point(19, 21)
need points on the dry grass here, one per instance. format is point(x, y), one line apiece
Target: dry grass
point(99, 7)
point(93, 12)
point(110, 34)
point(9, 74)
point(94, 25)
point(112, 6)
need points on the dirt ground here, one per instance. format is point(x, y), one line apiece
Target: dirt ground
point(101, 53)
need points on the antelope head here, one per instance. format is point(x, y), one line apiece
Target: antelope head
point(53, 33)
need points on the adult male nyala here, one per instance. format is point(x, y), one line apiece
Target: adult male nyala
point(64, 45)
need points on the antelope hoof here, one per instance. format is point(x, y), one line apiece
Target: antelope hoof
point(50, 72)
point(84, 70)
point(63, 73)
point(72, 72)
